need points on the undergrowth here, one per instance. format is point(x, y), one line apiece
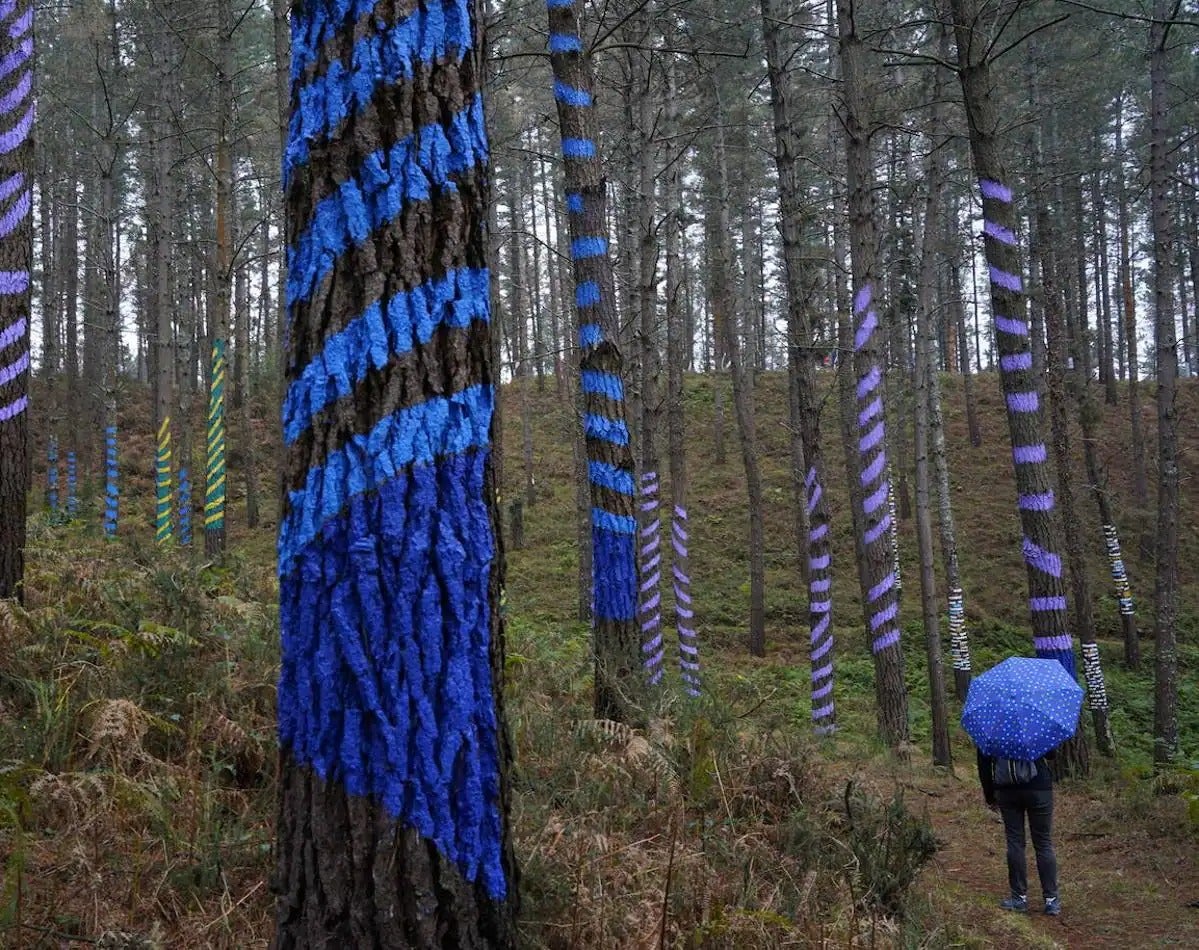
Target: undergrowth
point(137, 747)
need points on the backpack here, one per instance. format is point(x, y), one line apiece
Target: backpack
point(1006, 772)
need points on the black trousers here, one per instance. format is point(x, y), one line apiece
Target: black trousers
point(1037, 805)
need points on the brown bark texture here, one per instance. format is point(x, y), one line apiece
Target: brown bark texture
point(872, 516)
point(393, 795)
point(16, 256)
point(618, 682)
point(1040, 544)
point(813, 516)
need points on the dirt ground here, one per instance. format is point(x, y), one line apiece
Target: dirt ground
point(1129, 874)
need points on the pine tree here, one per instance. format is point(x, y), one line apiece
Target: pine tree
point(392, 792)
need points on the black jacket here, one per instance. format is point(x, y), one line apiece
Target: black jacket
point(1043, 780)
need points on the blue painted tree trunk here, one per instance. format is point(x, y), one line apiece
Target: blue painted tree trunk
point(616, 637)
point(16, 251)
point(393, 800)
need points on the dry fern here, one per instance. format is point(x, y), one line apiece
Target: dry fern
point(118, 729)
point(71, 800)
point(633, 749)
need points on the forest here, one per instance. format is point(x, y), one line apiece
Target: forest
point(489, 473)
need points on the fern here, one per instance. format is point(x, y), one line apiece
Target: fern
point(632, 748)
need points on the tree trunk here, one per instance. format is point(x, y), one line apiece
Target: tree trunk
point(16, 259)
point(872, 519)
point(69, 263)
point(393, 797)
point(717, 235)
point(159, 261)
point(242, 346)
point(812, 516)
point(1165, 589)
point(1056, 390)
point(610, 459)
point(1103, 290)
point(647, 271)
point(1040, 545)
point(925, 370)
point(1128, 319)
point(222, 274)
point(678, 347)
point(957, 314)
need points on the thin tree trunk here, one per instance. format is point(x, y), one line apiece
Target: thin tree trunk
point(1128, 313)
point(925, 370)
point(1102, 263)
point(16, 259)
point(872, 519)
point(610, 460)
point(647, 275)
point(1040, 544)
point(957, 315)
point(1056, 391)
point(222, 273)
point(718, 233)
point(1165, 591)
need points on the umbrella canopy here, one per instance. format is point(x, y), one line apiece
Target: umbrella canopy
point(1021, 708)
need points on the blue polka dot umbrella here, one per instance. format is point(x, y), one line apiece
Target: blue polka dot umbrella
point(1022, 708)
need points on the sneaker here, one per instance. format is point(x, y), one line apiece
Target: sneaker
point(1053, 906)
point(1018, 903)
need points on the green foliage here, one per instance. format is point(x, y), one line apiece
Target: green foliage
point(889, 847)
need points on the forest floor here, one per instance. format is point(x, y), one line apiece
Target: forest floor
point(137, 729)
point(1128, 879)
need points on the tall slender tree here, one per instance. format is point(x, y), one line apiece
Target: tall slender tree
point(872, 516)
point(816, 546)
point(1165, 590)
point(609, 455)
point(1040, 544)
point(16, 254)
point(392, 826)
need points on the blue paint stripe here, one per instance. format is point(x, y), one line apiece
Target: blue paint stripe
point(565, 43)
point(606, 430)
point(609, 476)
point(378, 190)
point(559, 4)
point(603, 384)
point(385, 681)
point(615, 590)
point(433, 31)
point(369, 341)
point(571, 96)
point(590, 335)
point(574, 202)
point(587, 294)
point(1016, 361)
point(578, 149)
point(585, 247)
point(309, 34)
point(617, 524)
point(416, 435)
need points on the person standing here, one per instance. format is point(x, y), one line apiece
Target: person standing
point(1018, 797)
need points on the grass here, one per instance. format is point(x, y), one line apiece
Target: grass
point(137, 735)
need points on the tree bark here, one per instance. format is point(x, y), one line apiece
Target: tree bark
point(618, 682)
point(717, 234)
point(812, 516)
point(1040, 544)
point(925, 371)
point(872, 519)
point(16, 259)
point(393, 795)
point(1128, 320)
point(1056, 390)
point(1165, 590)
